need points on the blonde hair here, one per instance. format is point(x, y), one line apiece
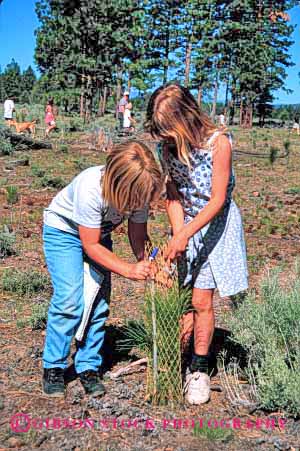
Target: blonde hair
point(173, 113)
point(132, 177)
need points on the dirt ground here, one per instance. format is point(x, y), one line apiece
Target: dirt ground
point(269, 198)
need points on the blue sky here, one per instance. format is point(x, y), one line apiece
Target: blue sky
point(18, 22)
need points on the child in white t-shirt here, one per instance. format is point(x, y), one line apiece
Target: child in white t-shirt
point(296, 126)
point(9, 108)
point(128, 120)
point(78, 250)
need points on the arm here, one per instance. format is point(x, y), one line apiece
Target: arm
point(137, 234)
point(173, 203)
point(90, 239)
point(220, 179)
point(174, 208)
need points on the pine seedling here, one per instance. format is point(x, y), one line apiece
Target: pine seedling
point(12, 195)
point(158, 334)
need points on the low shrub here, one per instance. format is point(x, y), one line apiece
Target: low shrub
point(6, 148)
point(293, 190)
point(38, 318)
point(82, 163)
point(64, 148)
point(268, 328)
point(274, 151)
point(7, 243)
point(37, 171)
point(52, 181)
point(76, 124)
point(24, 282)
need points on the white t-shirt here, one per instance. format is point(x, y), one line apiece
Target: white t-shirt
point(126, 120)
point(8, 109)
point(222, 119)
point(81, 203)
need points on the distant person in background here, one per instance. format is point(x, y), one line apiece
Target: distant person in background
point(296, 125)
point(222, 119)
point(9, 108)
point(128, 119)
point(49, 117)
point(121, 109)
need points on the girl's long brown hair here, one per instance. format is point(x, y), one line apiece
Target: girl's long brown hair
point(173, 114)
point(132, 178)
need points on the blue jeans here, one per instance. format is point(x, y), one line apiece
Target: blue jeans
point(65, 260)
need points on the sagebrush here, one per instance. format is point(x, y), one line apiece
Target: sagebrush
point(24, 282)
point(7, 243)
point(268, 328)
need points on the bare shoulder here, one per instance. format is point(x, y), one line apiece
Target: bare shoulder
point(222, 141)
point(222, 145)
point(222, 154)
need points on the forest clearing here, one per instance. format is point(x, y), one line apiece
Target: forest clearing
point(264, 186)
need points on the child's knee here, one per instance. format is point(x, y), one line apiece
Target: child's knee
point(202, 302)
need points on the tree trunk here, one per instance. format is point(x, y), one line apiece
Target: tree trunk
point(118, 89)
point(100, 107)
point(231, 111)
point(214, 106)
point(246, 115)
point(82, 95)
point(241, 112)
point(249, 116)
point(188, 55)
point(104, 100)
point(129, 81)
point(199, 96)
point(89, 99)
point(226, 93)
point(167, 50)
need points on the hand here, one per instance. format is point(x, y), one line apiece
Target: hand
point(140, 271)
point(154, 270)
point(176, 246)
point(163, 278)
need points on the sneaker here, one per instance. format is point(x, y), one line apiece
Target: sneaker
point(53, 382)
point(91, 383)
point(197, 388)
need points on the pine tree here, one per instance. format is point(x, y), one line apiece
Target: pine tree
point(257, 47)
point(11, 79)
point(86, 45)
point(28, 81)
point(162, 22)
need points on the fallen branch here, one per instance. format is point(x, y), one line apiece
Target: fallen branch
point(23, 140)
point(14, 163)
point(127, 368)
point(259, 155)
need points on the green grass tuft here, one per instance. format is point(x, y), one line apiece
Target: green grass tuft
point(12, 195)
point(212, 433)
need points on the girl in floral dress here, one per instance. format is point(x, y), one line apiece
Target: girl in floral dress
point(206, 223)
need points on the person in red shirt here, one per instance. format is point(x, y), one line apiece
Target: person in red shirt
point(49, 117)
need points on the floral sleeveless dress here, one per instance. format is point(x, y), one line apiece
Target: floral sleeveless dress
point(216, 254)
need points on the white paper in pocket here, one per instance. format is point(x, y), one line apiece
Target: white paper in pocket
point(92, 281)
